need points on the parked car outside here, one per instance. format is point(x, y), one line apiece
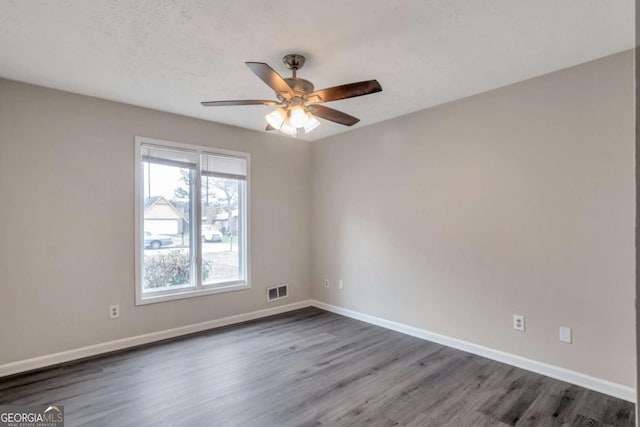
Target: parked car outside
point(156, 241)
point(210, 234)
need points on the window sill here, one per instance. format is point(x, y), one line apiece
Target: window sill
point(225, 287)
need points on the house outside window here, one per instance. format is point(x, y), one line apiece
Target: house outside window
point(191, 227)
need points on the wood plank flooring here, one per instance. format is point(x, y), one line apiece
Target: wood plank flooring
point(308, 368)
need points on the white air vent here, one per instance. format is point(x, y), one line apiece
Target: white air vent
point(277, 292)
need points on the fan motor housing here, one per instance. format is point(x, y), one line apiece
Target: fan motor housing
point(299, 86)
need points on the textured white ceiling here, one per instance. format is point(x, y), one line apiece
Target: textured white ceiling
point(170, 55)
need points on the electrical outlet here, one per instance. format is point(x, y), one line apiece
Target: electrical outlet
point(114, 311)
point(518, 322)
point(340, 284)
point(326, 283)
point(565, 334)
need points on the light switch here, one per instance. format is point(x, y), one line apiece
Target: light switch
point(565, 334)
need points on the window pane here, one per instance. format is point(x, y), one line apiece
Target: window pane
point(167, 192)
point(222, 234)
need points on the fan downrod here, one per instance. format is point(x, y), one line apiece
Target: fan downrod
point(294, 62)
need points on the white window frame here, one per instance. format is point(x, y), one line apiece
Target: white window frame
point(200, 289)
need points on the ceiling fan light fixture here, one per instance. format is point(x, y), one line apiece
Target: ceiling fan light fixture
point(298, 116)
point(297, 98)
point(276, 117)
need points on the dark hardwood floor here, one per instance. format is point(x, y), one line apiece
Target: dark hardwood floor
point(303, 368)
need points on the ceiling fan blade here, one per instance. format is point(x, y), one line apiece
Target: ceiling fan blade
point(345, 91)
point(334, 115)
point(269, 127)
point(240, 102)
point(271, 78)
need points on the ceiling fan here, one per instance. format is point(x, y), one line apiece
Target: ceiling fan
point(298, 103)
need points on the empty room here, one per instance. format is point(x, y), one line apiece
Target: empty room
point(337, 213)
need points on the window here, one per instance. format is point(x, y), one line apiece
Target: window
point(191, 220)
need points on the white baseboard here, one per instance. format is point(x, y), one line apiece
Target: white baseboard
point(577, 378)
point(93, 350)
point(583, 380)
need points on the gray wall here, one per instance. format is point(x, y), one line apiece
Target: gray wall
point(637, 110)
point(66, 220)
point(515, 201)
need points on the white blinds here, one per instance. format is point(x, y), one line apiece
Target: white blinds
point(170, 157)
point(218, 165)
point(224, 166)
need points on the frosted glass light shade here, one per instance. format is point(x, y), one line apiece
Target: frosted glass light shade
point(311, 124)
point(276, 117)
point(298, 117)
point(288, 128)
